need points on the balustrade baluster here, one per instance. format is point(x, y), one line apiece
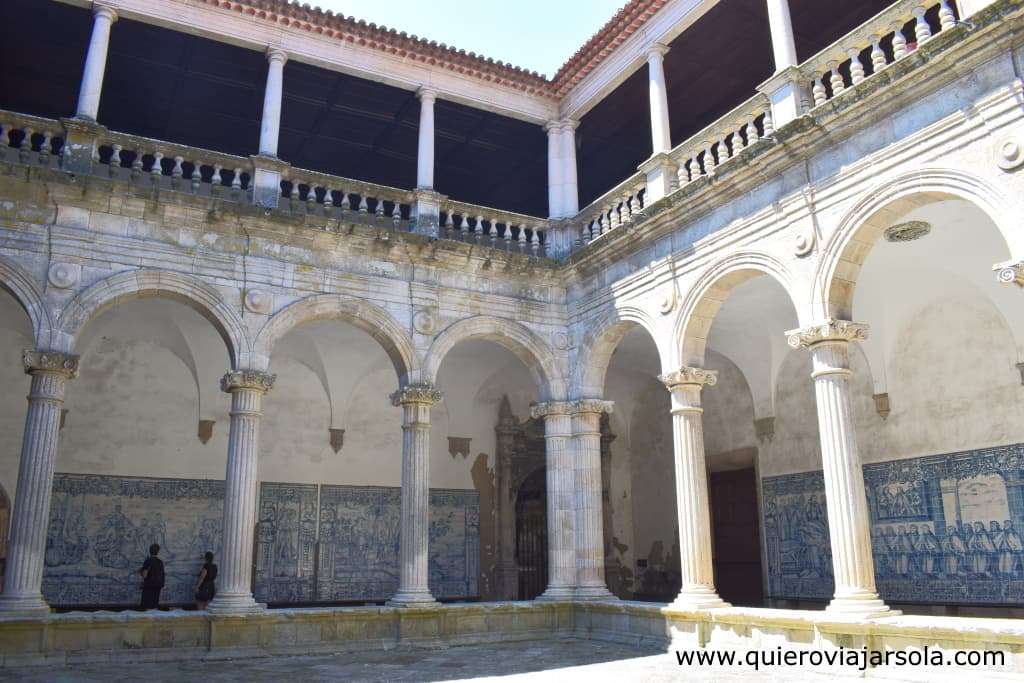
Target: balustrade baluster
point(724, 153)
point(328, 201)
point(899, 41)
point(493, 231)
point(878, 61)
point(836, 79)
point(819, 92)
point(769, 124)
point(752, 134)
point(310, 197)
point(856, 67)
point(683, 173)
point(345, 205)
point(396, 214)
point(364, 207)
point(464, 225)
point(478, 228)
point(449, 224)
point(947, 18)
point(44, 147)
point(156, 169)
point(921, 29)
point(25, 148)
point(379, 212)
point(217, 180)
point(535, 241)
point(522, 237)
point(627, 210)
point(178, 172)
point(196, 176)
point(709, 160)
point(738, 144)
point(115, 160)
point(236, 182)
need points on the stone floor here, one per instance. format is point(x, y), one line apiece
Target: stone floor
point(560, 661)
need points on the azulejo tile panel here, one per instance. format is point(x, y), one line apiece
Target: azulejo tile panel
point(101, 527)
point(945, 529)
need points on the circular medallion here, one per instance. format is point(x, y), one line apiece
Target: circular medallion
point(907, 232)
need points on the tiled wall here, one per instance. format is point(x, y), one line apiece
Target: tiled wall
point(945, 529)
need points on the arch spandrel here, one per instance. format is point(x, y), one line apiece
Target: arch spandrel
point(20, 284)
point(601, 337)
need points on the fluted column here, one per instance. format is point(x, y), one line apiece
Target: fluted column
point(234, 584)
point(661, 137)
point(570, 186)
point(781, 26)
point(557, 417)
point(589, 503)
point(848, 521)
point(698, 578)
point(50, 372)
point(425, 151)
point(414, 568)
point(270, 124)
point(95, 63)
point(555, 179)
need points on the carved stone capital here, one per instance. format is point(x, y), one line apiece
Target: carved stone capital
point(419, 392)
point(830, 330)
point(247, 379)
point(100, 10)
point(549, 408)
point(53, 362)
point(1010, 272)
point(593, 405)
point(689, 376)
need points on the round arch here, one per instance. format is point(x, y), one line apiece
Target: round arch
point(525, 344)
point(711, 290)
point(135, 284)
point(599, 343)
point(372, 319)
point(20, 284)
point(844, 253)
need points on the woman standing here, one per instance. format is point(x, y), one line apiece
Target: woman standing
point(205, 586)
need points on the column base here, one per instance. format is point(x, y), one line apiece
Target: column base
point(698, 598)
point(408, 599)
point(594, 593)
point(557, 593)
point(27, 605)
point(866, 606)
point(235, 604)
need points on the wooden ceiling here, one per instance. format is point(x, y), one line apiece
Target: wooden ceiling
point(181, 88)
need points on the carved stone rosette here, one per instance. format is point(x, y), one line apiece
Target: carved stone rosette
point(828, 330)
point(247, 379)
point(420, 392)
point(685, 375)
point(1010, 272)
point(53, 362)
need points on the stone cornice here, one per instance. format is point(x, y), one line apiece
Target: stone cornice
point(687, 376)
point(52, 362)
point(830, 330)
point(247, 379)
point(422, 393)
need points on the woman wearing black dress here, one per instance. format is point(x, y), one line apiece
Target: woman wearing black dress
point(204, 586)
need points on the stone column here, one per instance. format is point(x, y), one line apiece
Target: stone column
point(95, 63)
point(270, 125)
point(698, 579)
point(555, 180)
point(234, 584)
point(589, 503)
point(23, 582)
point(570, 189)
point(661, 138)
point(561, 513)
point(783, 44)
point(425, 152)
point(848, 521)
point(414, 569)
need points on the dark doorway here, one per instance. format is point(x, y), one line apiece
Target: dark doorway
point(532, 535)
point(737, 538)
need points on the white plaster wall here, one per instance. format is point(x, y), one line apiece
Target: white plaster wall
point(728, 417)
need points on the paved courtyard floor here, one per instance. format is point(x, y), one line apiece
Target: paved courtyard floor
point(555, 660)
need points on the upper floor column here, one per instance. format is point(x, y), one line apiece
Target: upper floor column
point(270, 126)
point(425, 152)
point(661, 137)
point(783, 88)
point(555, 170)
point(95, 63)
point(783, 44)
point(570, 186)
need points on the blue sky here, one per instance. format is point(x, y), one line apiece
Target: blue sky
point(538, 35)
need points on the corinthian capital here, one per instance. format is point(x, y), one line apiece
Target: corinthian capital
point(540, 410)
point(593, 405)
point(53, 362)
point(247, 379)
point(420, 392)
point(1011, 271)
point(689, 376)
point(828, 330)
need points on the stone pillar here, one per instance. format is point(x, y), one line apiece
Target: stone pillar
point(95, 63)
point(425, 152)
point(589, 503)
point(784, 89)
point(848, 521)
point(661, 137)
point(570, 189)
point(414, 569)
point(555, 180)
point(234, 584)
point(698, 579)
point(783, 44)
point(561, 514)
point(23, 582)
point(270, 125)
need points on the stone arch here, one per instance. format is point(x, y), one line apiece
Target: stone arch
point(599, 342)
point(711, 290)
point(843, 254)
point(20, 284)
point(535, 353)
point(135, 284)
point(372, 319)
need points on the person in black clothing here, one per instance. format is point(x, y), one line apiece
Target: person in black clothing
point(152, 578)
point(204, 586)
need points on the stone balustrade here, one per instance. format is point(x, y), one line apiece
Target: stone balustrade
point(881, 41)
point(38, 141)
point(723, 140)
point(155, 163)
point(613, 209)
point(493, 228)
point(353, 200)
